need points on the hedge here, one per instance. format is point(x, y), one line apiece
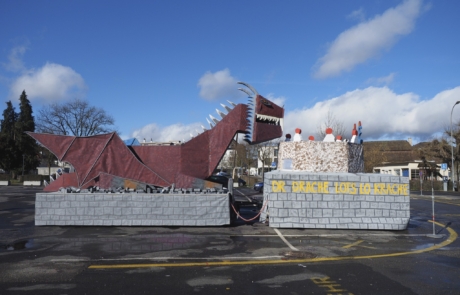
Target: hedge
point(5, 177)
point(426, 185)
point(33, 177)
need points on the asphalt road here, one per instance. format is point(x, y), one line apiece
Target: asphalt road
point(244, 258)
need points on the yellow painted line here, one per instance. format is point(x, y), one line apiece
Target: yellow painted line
point(352, 244)
point(452, 237)
point(358, 243)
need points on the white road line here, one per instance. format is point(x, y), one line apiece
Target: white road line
point(285, 241)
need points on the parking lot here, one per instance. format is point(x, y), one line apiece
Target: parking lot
point(243, 258)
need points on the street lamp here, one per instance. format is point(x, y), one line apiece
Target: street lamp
point(452, 145)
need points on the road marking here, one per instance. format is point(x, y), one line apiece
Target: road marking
point(358, 244)
point(284, 240)
point(452, 237)
point(167, 258)
point(352, 244)
point(330, 286)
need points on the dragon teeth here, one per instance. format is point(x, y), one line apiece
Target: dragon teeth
point(268, 118)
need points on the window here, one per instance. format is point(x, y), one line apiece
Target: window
point(405, 172)
point(414, 173)
point(398, 172)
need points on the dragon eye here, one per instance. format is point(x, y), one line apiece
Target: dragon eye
point(266, 102)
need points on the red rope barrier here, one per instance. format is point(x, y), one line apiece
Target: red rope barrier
point(247, 220)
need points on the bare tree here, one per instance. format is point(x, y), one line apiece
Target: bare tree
point(75, 117)
point(440, 149)
point(266, 151)
point(374, 155)
point(244, 155)
point(331, 122)
point(226, 162)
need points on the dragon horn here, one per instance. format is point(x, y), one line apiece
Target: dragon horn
point(245, 91)
point(220, 113)
point(210, 124)
point(250, 87)
point(229, 109)
point(214, 119)
point(232, 103)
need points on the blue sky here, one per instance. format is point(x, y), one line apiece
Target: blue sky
point(161, 67)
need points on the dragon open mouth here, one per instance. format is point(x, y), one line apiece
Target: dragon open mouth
point(265, 118)
point(270, 120)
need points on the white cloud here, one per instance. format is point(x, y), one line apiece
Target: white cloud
point(383, 113)
point(357, 15)
point(51, 82)
point(218, 85)
point(368, 39)
point(382, 80)
point(175, 132)
point(15, 63)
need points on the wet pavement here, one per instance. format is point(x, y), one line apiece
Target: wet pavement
point(243, 258)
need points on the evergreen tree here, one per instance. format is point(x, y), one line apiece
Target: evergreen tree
point(10, 156)
point(27, 146)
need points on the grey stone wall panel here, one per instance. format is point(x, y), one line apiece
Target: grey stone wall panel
point(351, 201)
point(133, 209)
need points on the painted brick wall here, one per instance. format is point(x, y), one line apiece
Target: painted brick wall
point(100, 209)
point(336, 200)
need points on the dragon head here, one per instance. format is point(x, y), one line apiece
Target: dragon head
point(265, 118)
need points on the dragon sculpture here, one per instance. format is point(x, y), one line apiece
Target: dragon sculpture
point(105, 161)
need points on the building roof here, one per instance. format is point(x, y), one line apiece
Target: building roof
point(396, 164)
point(389, 145)
point(394, 151)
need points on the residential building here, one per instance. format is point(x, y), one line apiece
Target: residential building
point(400, 158)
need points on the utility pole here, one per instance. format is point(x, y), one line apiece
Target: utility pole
point(452, 146)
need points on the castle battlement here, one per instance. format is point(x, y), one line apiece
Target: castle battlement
point(319, 156)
